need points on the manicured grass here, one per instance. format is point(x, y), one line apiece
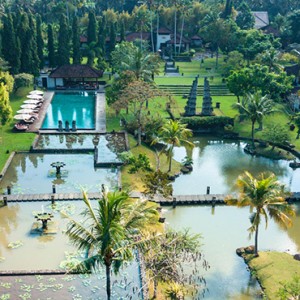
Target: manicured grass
point(9, 139)
point(273, 268)
point(134, 181)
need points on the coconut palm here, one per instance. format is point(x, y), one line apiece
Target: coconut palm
point(174, 134)
point(110, 231)
point(255, 107)
point(266, 196)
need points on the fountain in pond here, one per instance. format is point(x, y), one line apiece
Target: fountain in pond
point(44, 223)
point(58, 165)
point(58, 174)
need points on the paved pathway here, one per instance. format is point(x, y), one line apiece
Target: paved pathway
point(101, 112)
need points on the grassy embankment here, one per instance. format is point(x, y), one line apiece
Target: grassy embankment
point(11, 140)
point(272, 270)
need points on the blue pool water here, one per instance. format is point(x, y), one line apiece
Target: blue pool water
point(78, 106)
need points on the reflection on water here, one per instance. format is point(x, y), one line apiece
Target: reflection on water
point(218, 163)
point(29, 174)
point(222, 233)
point(46, 252)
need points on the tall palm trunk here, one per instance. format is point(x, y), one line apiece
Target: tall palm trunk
point(108, 281)
point(151, 29)
point(252, 133)
point(256, 242)
point(155, 283)
point(175, 29)
point(181, 33)
point(157, 26)
point(170, 158)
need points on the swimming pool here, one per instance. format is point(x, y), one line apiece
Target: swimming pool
point(75, 106)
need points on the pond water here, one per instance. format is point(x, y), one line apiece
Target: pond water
point(108, 148)
point(50, 252)
point(32, 174)
point(217, 163)
point(223, 230)
point(77, 106)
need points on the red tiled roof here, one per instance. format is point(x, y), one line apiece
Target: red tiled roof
point(164, 30)
point(195, 37)
point(76, 71)
point(130, 37)
point(83, 39)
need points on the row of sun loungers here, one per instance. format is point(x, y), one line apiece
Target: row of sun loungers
point(29, 111)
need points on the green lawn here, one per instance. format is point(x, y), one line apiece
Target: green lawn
point(273, 268)
point(10, 140)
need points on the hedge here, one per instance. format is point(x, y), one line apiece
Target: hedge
point(207, 123)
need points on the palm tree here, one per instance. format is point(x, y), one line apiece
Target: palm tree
point(110, 232)
point(255, 107)
point(174, 134)
point(266, 196)
point(142, 63)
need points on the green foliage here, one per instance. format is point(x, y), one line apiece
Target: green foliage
point(5, 108)
point(109, 233)
point(140, 162)
point(75, 42)
point(119, 84)
point(254, 107)
point(51, 49)
point(253, 42)
point(157, 182)
point(11, 47)
point(175, 291)
point(92, 29)
point(294, 25)
point(63, 47)
point(244, 19)
point(128, 57)
point(265, 195)
point(39, 41)
point(276, 133)
point(212, 123)
point(290, 289)
point(22, 80)
point(258, 78)
point(174, 134)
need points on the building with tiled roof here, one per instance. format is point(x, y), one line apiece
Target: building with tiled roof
point(72, 76)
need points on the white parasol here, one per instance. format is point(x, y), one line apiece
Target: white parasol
point(36, 92)
point(32, 101)
point(22, 117)
point(32, 106)
point(25, 111)
point(35, 96)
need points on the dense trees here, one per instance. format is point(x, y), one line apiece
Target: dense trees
point(63, 47)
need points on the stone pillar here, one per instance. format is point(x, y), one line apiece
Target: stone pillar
point(208, 190)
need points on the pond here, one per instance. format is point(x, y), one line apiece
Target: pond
point(217, 163)
point(223, 230)
point(32, 174)
point(50, 252)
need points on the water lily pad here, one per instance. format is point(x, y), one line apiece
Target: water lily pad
point(15, 245)
point(6, 285)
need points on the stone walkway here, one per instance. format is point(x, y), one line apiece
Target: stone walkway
point(101, 112)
